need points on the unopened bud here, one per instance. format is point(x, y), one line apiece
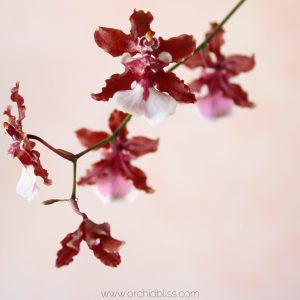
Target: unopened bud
point(51, 201)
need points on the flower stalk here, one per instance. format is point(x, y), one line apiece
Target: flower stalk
point(62, 153)
point(112, 137)
point(74, 186)
point(74, 157)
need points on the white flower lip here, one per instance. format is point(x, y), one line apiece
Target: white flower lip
point(155, 109)
point(26, 186)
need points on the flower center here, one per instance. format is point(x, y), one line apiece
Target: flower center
point(148, 42)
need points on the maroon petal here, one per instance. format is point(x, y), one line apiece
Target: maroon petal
point(140, 23)
point(110, 244)
point(239, 96)
point(217, 41)
point(141, 145)
point(11, 130)
point(97, 171)
point(16, 97)
point(24, 156)
point(199, 59)
point(194, 61)
point(196, 85)
point(100, 241)
point(137, 176)
point(34, 156)
point(110, 259)
point(115, 120)
point(117, 82)
point(40, 171)
point(176, 88)
point(115, 41)
point(239, 63)
point(179, 47)
point(89, 138)
point(70, 248)
point(98, 229)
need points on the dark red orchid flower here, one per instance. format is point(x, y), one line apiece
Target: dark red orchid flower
point(145, 89)
point(217, 72)
point(114, 176)
point(22, 148)
point(98, 239)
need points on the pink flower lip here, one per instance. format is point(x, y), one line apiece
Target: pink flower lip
point(214, 106)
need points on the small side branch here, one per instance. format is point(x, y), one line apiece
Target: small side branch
point(62, 153)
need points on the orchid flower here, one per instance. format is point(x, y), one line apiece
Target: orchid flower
point(97, 238)
point(114, 176)
point(217, 70)
point(145, 89)
point(23, 149)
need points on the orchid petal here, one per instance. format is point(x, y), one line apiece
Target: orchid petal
point(140, 23)
point(89, 138)
point(239, 63)
point(26, 186)
point(114, 187)
point(115, 83)
point(214, 106)
point(171, 84)
point(178, 47)
point(115, 120)
point(217, 41)
point(155, 109)
point(115, 41)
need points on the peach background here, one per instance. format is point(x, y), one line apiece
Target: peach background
point(225, 216)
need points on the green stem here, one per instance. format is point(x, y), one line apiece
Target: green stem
point(210, 36)
point(74, 186)
point(106, 140)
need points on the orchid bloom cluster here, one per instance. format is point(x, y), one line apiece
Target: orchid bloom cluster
point(145, 89)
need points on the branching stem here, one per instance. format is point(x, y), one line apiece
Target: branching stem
point(75, 157)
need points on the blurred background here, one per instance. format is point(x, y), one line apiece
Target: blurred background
point(224, 220)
